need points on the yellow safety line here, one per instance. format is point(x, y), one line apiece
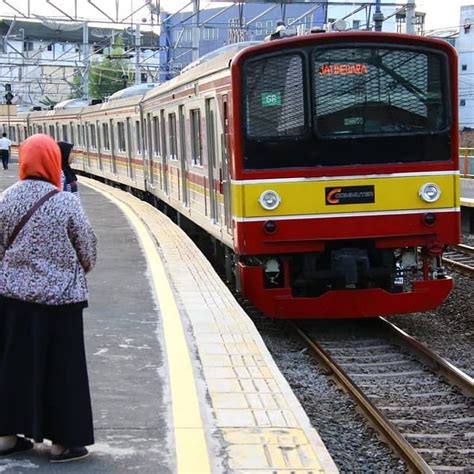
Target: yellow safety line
point(191, 445)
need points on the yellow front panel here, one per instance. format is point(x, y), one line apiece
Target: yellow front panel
point(307, 197)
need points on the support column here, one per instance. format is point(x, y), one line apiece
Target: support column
point(138, 76)
point(411, 17)
point(85, 60)
point(195, 30)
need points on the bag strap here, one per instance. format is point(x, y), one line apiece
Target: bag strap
point(27, 216)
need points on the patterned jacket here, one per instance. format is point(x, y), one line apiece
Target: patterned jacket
point(50, 256)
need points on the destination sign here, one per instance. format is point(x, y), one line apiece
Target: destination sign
point(342, 69)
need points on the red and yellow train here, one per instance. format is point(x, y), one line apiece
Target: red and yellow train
point(325, 165)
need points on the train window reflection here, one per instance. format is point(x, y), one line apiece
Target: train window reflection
point(92, 136)
point(275, 105)
point(105, 136)
point(138, 137)
point(359, 100)
point(196, 144)
point(377, 91)
point(156, 135)
point(173, 137)
point(121, 136)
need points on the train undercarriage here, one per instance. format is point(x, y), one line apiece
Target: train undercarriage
point(347, 280)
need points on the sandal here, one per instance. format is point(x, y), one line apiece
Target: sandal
point(70, 454)
point(22, 444)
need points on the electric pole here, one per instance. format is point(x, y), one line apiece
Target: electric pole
point(410, 16)
point(378, 16)
point(138, 76)
point(195, 30)
point(85, 60)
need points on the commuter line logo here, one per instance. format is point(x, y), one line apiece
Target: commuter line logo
point(350, 195)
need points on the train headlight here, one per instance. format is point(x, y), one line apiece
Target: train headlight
point(430, 192)
point(269, 200)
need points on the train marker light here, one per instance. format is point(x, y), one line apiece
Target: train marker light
point(269, 200)
point(270, 227)
point(429, 219)
point(430, 192)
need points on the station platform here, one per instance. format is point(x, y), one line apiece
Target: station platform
point(181, 381)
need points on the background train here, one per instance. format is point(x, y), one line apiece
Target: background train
point(324, 166)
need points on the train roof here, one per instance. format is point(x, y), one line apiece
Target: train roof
point(71, 104)
point(225, 50)
point(206, 65)
point(138, 89)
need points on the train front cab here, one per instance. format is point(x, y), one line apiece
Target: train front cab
point(345, 181)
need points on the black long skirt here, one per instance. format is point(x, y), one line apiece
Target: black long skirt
point(44, 387)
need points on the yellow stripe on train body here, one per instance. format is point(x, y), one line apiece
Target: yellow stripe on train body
point(397, 192)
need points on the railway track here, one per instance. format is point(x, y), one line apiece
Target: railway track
point(419, 403)
point(461, 258)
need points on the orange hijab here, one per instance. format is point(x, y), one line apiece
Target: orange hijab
point(40, 157)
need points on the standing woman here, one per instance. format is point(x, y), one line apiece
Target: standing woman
point(44, 387)
point(68, 177)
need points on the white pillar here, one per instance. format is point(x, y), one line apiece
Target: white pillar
point(85, 60)
point(411, 17)
point(138, 78)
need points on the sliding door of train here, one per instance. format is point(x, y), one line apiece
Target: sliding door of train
point(225, 164)
point(113, 156)
point(130, 151)
point(182, 141)
point(164, 154)
point(212, 161)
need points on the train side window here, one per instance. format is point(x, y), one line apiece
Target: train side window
point(196, 143)
point(79, 141)
point(39, 129)
point(173, 137)
point(51, 131)
point(163, 134)
point(138, 137)
point(84, 138)
point(71, 129)
point(121, 136)
point(145, 136)
point(105, 136)
point(156, 135)
point(93, 136)
point(65, 133)
point(25, 132)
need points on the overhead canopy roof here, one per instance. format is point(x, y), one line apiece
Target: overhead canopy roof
point(67, 32)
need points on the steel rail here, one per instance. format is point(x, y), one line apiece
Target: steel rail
point(395, 439)
point(463, 248)
point(462, 267)
point(432, 360)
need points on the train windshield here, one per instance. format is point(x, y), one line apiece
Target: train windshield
point(330, 106)
point(360, 91)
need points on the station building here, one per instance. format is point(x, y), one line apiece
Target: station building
point(41, 58)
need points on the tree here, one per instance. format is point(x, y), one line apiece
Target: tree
point(76, 86)
point(110, 73)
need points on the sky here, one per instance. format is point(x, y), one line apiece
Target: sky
point(439, 13)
